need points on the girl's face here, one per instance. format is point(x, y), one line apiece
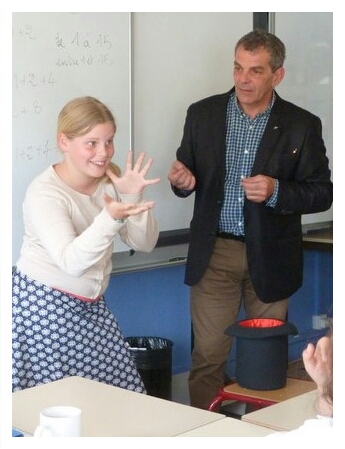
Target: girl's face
point(91, 153)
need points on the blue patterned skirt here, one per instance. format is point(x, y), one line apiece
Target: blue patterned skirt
point(55, 335)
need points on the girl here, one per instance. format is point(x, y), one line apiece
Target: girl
point(61, 325)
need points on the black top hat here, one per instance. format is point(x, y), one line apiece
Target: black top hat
point(261, 328)
point(261, 352)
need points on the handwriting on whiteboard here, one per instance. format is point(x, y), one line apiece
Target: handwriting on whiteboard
point(71, 49)
point(30, 153)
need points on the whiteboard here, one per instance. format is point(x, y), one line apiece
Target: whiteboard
point(182, 57)
point(179, 58)
point(148, 67)
point(56, 57)
point(308, 82)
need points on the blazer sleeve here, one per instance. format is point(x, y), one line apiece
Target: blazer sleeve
point(298, 160)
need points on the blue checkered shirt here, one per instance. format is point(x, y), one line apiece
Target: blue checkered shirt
point(242, 140)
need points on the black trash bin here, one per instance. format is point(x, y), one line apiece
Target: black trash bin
point(153, 358)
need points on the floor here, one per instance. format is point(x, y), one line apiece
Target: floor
point(179, 388)
point(179, 383)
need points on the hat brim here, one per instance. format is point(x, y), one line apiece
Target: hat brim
point(261, 328)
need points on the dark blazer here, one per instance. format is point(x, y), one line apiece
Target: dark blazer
point(291, 150)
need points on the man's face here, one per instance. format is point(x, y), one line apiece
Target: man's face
point(254, 80)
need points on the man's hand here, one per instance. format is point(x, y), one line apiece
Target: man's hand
point(181, 177)
point(258, 188)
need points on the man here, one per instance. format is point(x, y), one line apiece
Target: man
point(256, 163)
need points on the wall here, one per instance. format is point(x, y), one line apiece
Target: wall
point(156, 303)
point(308, 37)
point(149, 67)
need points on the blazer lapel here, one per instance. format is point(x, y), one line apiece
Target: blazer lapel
point(269, 139)
point(219, 130)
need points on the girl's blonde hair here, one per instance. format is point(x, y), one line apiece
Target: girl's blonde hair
point(80, 115)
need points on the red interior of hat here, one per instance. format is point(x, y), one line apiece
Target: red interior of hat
point(261, 322)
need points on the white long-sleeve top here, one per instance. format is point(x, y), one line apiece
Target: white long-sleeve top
point(69, 236)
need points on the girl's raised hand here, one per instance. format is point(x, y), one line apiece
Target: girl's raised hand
point(133, 179)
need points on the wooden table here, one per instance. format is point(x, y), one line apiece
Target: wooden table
point(286, 415)
point(228, 427)
point(108, 411)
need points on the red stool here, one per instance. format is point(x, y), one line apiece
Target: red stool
point(233, 392)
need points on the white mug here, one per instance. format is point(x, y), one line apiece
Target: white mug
point(59, 421)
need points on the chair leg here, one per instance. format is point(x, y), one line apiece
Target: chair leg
point(215, 402)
